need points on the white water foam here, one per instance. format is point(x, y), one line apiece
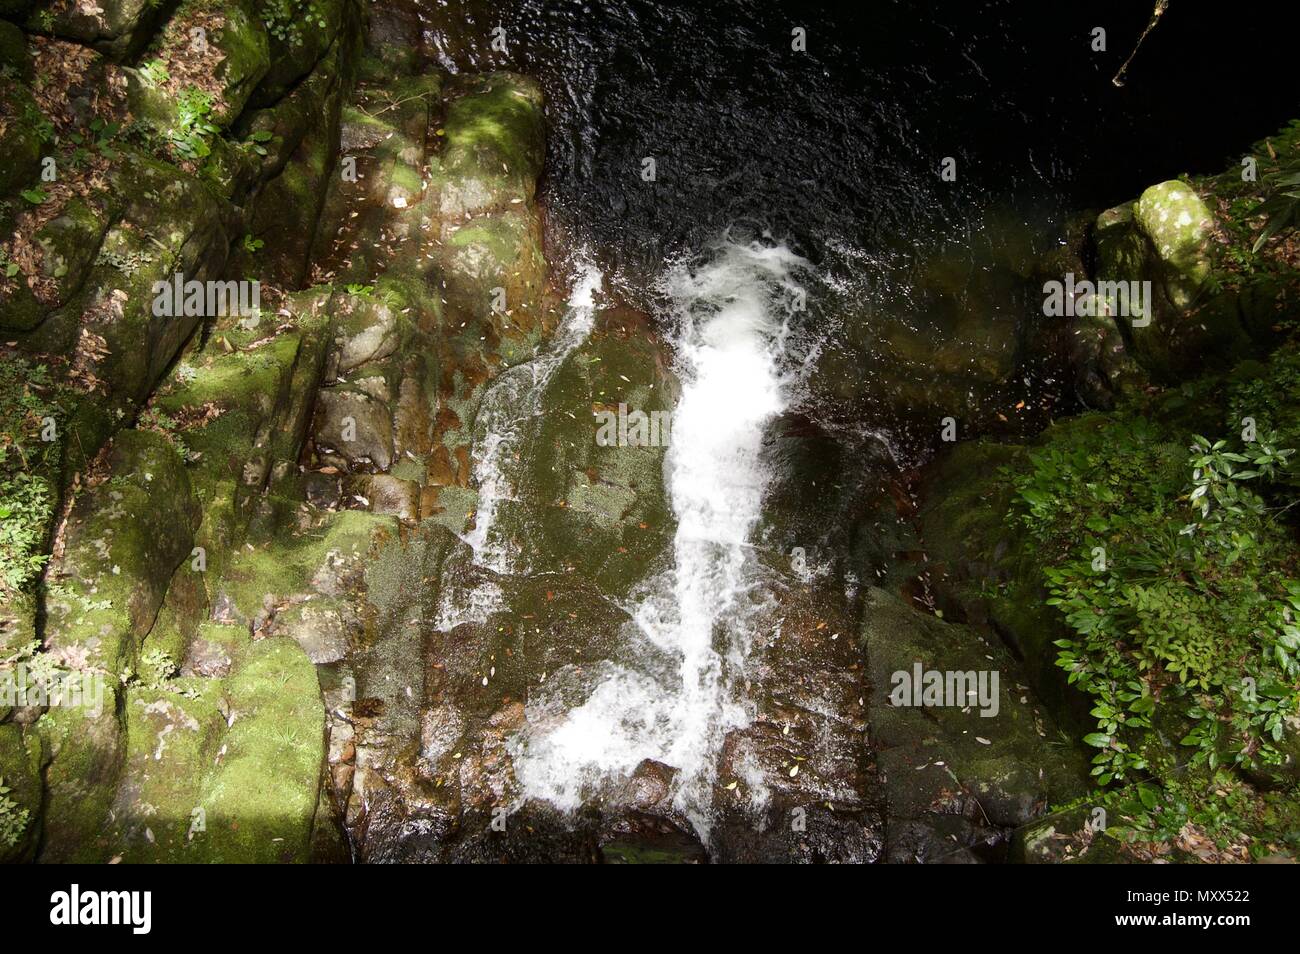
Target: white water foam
point(733, 319)
point(508, 405)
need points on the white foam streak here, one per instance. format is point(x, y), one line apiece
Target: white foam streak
point(508, 405)
point(732, 317)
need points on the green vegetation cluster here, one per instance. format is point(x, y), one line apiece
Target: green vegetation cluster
point(1171, 558)
point(29, 407)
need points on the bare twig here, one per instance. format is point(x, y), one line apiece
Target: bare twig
point(1161, 6)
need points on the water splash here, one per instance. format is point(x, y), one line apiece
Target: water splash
point(733, 320)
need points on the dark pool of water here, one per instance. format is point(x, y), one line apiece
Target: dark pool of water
point(837, 150)
point(841, 144)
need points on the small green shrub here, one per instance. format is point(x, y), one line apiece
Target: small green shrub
point(155, 73)
point(13, 820)
point(1176, 584)
point(189, 136)
point(286, 20)
point(28, 405)
point(156, 667)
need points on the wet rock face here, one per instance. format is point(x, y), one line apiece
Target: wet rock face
point(439, 713)
point(962, 749)
point(798, 784)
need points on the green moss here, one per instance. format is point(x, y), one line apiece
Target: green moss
point(244, 42)
point(174, 736)
point(288, 207)
point(123, 541)
point(1009, 761)
point(81, 780)
point(1178, 224)
point(261, 799)
point(287, 564)
point(1267, 396)
point(494, 136)
point(498, 250)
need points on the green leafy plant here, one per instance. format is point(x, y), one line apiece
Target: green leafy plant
point(1282, 207)
point(189, 136)
point(258, 139)
point(9, 268)
point(1166, 613)
point(156, 667)
point(285, 20)
point(34, 196)
point(152, 419)
point(1212, 813)
point(26, 506)
point(13, 819)
point(29, 400)
point(253, 245)
point(155, 73)
point(39, 123)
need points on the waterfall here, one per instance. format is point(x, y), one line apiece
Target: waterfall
point(731, 316)
point(509, 405)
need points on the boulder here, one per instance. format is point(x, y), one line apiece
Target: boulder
point(356, 426)
point(119, 28)
point(1165, 238)
point(959, 773)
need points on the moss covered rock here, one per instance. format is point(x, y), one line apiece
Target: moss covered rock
point(65, 249)
point(299, 33)
point(120, 28)
point(1165, 239)
point(210, 53)
point(494, 146)
point(1177, 223)
point(949, 769)
point(123, 541)
point(260, 800)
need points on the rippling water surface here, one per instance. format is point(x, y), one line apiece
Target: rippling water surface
point(839, 147)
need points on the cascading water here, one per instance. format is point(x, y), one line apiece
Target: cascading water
point(732, 317)
point(508, 406)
